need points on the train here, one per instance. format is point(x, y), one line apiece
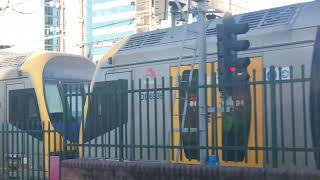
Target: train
point(284, 37)
point(33, 90)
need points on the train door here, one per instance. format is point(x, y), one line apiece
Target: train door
point(222, 132)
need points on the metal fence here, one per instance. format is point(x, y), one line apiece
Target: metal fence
point(268, 122)
point(22, 151)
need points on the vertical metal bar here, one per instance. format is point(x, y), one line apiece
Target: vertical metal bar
point(148, 119)
point(188, 88)
point(17, 145)
point(206, 116)
point(84, 95)
point(105, 97)
point(212, 105)
point(65, 120)
point(304, 115)
point(55, 144)
point(140, 120)
point(78, 121)
point(155, 118)
point(28, 125)
point(90, 117)
point(133, 151)
point(199, 124)
point(171, 120)
point(44, 150)
point(96, 118)
point(246, 124)
point(225, 150)
point(101, 118)
point(120, 120)
point(7, 149)
point(32, 150)
point(114, 94)
point(38, 132)
point(3, 149)
point(180, 114)
point(12, 147)
point(49, 146)
point(235, 145)
point(273, 117)
point(23, 148)
point(255, 114)
point(281, 117)
point(215, 117)
point(21, 151)
point(294, 155)
point(125, 93)
point(163, 119)
point(265, 105)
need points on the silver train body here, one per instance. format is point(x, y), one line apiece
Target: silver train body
point(280, 37)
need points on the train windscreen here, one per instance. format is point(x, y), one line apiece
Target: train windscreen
point(65, 85)
point(315, 98)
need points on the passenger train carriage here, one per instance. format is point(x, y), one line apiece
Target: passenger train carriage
point(281, 37)
point(32, 91)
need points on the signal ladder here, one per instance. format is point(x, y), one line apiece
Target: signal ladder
point(183, 48)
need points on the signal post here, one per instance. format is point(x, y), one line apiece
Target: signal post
point(202, 42)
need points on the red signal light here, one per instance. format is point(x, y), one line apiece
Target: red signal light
point(232, 69)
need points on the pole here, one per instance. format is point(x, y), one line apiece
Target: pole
point(174, 10)
point(202, 73)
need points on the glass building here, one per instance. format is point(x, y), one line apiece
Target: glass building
point(52, 25)
point(107, 21)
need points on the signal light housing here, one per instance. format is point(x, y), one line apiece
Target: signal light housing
point(230, 67)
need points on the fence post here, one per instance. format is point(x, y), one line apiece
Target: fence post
point(119, 92)
point(273, 117)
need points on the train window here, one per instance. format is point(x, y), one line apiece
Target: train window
point(189, 135)
point(24, 111)
point(103, 111)
point(236, 124)
point(54, 105)
point(74, 93)
point(65, 97)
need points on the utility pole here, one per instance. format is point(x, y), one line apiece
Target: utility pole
point(202, 42)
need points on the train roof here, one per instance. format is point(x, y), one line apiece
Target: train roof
point(11, 63)
point(287, 24)
point(287, 17)
point(11, 59)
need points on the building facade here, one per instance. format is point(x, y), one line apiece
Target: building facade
point(53, 30)
point(33, 25)
point(106, 22)
point(109, 20)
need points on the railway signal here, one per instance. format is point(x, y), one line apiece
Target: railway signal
point(230, 67)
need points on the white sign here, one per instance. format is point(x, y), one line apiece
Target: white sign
point(285, 73)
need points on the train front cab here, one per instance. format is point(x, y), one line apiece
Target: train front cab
point(247, 133)
point(46, 105)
